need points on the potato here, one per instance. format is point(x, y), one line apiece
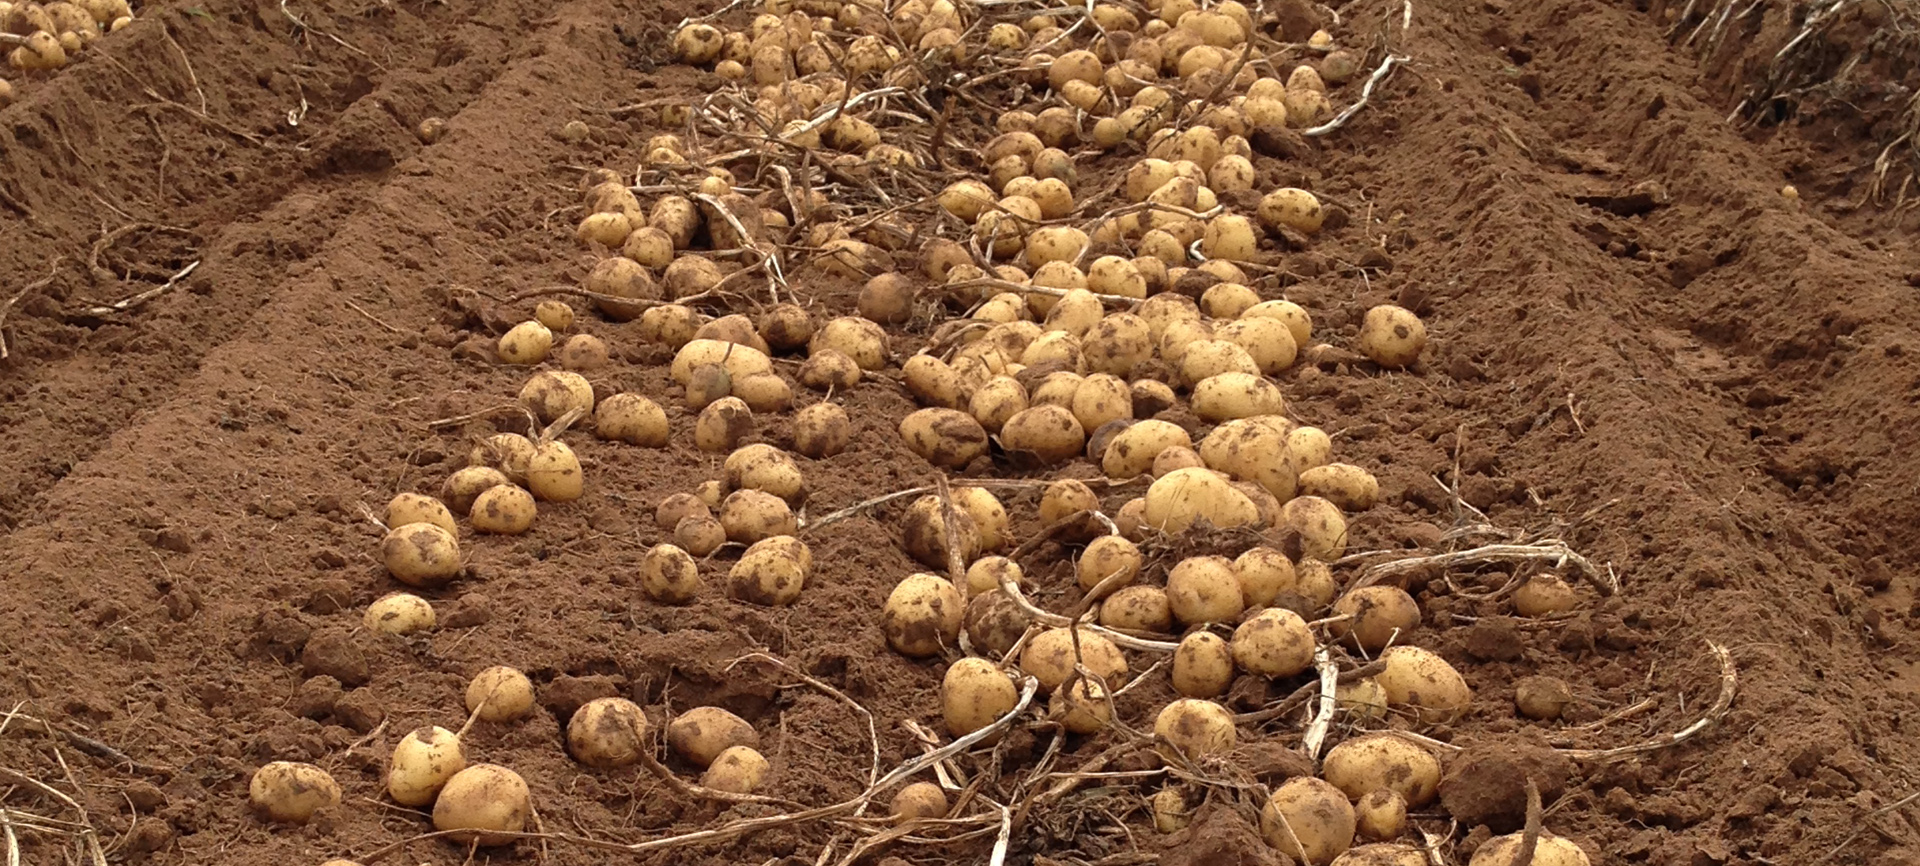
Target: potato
point(999, 399)
point(924, 533)
point(700, 735)
point(1205, 358)
point(859, 339)
point(1273, 643)
point(399, 613)
point(1376, 761)
point(1232, 395)
point(699, 535)
point(1425, 682)
point(752, 515)
point(607, 733)
point(1054, 244)
point(1308, 820)
point(829, 369)
point(1109, 559)
point(764, 467)
point(887, 299)
point(1049, 657)
point(995, 622)
point(1252, 450)
point(603, 229)
point(420, 554)
point(633, 419)
point(676, 507)
point(1137, 609)
point(933, 382)
point(553, 475)
point(290, 792)
point(722, 425)
point(1133, 451)
point(737, 329)
point(1363, 699)
point(1306, 107)
point(1050, 433)
point(1203, 589)
point(740, 361)
point(1195, 728)
point(1263, 573)
point(506, 452)
point(583, 352)
point(786, 327)
point(1101, 398)
point(1379, 854)
point(1291, 208)
point(1380, 615)
point(499, 694)
point(1320, 525)
point(669, 575)
point(1231, 237)
point(697, 44)
point(422, 763)
point(919, 800)
point(975, 694)
point(649, 247)
point(1082, 708)
point(1266, 340)
point(1057, 389)
point(1075, 313)
point(967, 200)
point(1313, 580)
point(525, 343)
point(1541, 698)
point(821, 430)
point(619, 279)
point(1391, 336)
point(464, 486)
point(1184, 458)
point(1544, 595)
point(1184, 497)
point(550, 394)
point(989, 516)
point(985, 574)
point(671, 325)
point(922, 616)
point(1171, 811)
point(1380, 814)
point(738, 770)
point(1550, 850)
point(947, 438)
point(1117, 344)
point(503, 510)
point(1310, 447)
point(1062, 499)
point(406, 508)
point(1202, 666)
point(487, 800)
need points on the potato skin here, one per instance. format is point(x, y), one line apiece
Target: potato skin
point(923, 615)
point(1049, 432)
point(1185, 496)
point(1382, 854)
point(975, 694)
point(1274, 643)
point(481, 798)
point(1133, 451)
point(701, 734)
point(1550, 850)
point(1195, 728)
point(1343, 484)
point(421, 554)
point(1376, 761)
point(1310, 814)
point(946, 438)
point(1202, 665)
point(290, 792)
point(1420, 679)
point(1392, 336)
point(607, 732)
point(1380, 614)
point(1049, 657)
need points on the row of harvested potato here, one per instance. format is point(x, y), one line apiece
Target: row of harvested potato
point(45, 37)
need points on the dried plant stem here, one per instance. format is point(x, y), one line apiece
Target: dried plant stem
point(126, 304)
point(1323, 717)
point(1729, 684)
point(1551, 551)
point(873, 731)
point(1366, 93)
point(1530, 837)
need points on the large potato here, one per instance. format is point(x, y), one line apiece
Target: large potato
point(933, 382)
point(1273, 643)
point(1102, 398)
point(291, 792)
point(1134, 450)
point(1232, 395)
point(1380, 814)
point(465, 485)
point(1268, 341)
point(1205, 358)
point(922, 615)
point(1049, 657)
point(1250, 450)
point(860, 339)
point(1117, 344)
point(772, 572)
point(975, 694)
point(1308, 820)
point(1377, 616)
point(550, 394)
point(1374, 761)
point(1050, 433)
point(421, 554)
point(749, 516)
point(1204, 589)
point(739, 361)
point(1184, 497)
point(1384, 854)
point(1343, 484)
point(764, 467)
point(1264, 574)
point(633, 419)
point(1137, 609)
point(1322, 528)
point(486, 802)
point(1425, 682)
point(607, 733)
point(947, 438)
point(1299, 323)
point(1550, 850)
point(1001, 398)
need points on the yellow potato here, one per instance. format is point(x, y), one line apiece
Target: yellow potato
point(1423, 681)
point(290, 792)
point(989, 516)
point(668, 574)
point(1550, 850)
point(1375, 761)
point(671, 325)
point(1135, 449)
point(525, 343)
point(607, 733)
point(1320, 525)
point(503, 510)
point(1544, 595)
point(399, 613)
point(1308, 820)
point(922, 615)
point(701, 734)
point(739, 361)
point(1363, 699)
point(919, 800)
point(1273, 643)
point(821, 430)
point(1194, 728)
point(421, 554)
point(623, 286)
point(405, 508)
point(1391, 336)
point(763, 467)
point(1380, 815)
point(1049, 658)
point(500, 694)
point(1183, 497)
point(1292, 208)
point(1202, 665)
point(1204, 589)
point(1310, 447)
point(1227, 396)
point(484, 802)
point(924, 533)
point(738, 770)
point(553, 475)
point(772, 572)
point(1379, 615)
point(633, 419)
point(1264, 573)
point(1109, 559)
point(1347, 486)
point(1380, 854)
point(1050, 433)
point(975, 694)
point(750, 516)
point(1138, 609)
point(946, 437)
point(506, 452)
point(550, 394)
point(722, 425)
point(829, 369)
point(422, 763)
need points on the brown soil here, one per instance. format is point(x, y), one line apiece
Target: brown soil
point(1711, 388)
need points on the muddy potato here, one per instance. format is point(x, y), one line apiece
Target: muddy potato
point(1064, 498)
point(1049, 657)
point(1184, 497)
point(1184, 458)
point(464, 486)
point(671, 325)
point(924, 533)
point(1310, 446)
point(1054, 244)
point(1101, 398)
point(1380, 815)
point(1205, 358)
point(1550, 850)
point(503, 509)
point(1204, 589)
point(967, 199)
point(1267, 341)
point(1379, 615)
point(919, 800)
point(607, 733)
point(678, 216)
point(1057, 389)
point(554, 315)
point(1171, 811)
point(1347, 486)
point(1082, 708)
point(995, 622)
point(1001, 398)
point(764, 467)
point(829, 370)
point(1363, 700)
point(1322, 528)
point(1308, 820)
point(485, 801)
point(525, 343)
point(763, 392)
point(737, 770)
point(722, 425)
point(422, 763)
point(738, 360)
point(633, 419)
point(749, 516)
point(1292, 208)
point(603, 229)
point(1055, 347)
point(1391, 336)
point(1227, 396)
point(922, 616)
point(975, 694)
point(1541, 698)
point(1111, 560)
point(821, 430)
point(1273, 643)
point(669, 575)
point(946, 438)
point(701, 734)
point(290, 792)
point(550, 394)
point(1375, 761)
point(933, 382)
point(499, 694)
point(1195, 728)
point(1076, 313)
point(1423, 681)
point(786, 327)
point(772, 572)
point(1137, 609)
point(1231, 237)
point(1117, 344)
point(420, 554)
point(553, 475)
point(619, 278)
point(1264, 573)
point(1202, 665)
point(987, 572)
point(405, 508)
point(506, 452)
point(859, 339)
point(989, 516)
point(1544, 595)
point(1313, 580)
point(887, 299)
point(736, 329)
point(1135, 449)
point(583, 352)
point(697, 44)
point(1380, 854)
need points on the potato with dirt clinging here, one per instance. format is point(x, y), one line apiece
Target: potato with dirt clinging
point(633, 419)
point(1001, 398)
point(924, 533)
point(1117, 344)
point(829, 370)
point(290, 792)
point(1111, 560)
point(1550, 850)
point(1082, 708)
point(503, 510)
point(1391, 336)
point(821, 430)
point(1203, 589)
point(482, 804)
point(722, 425)
point(465, 485)
point(422, 763)
point(553, 473)
point(1184, 497)
point(772, 572)
point(752, 515)
point(499, 694)
point(1195, 728)
point(922, 615)
point(1541, 698)
point(506, 452)
point(1425, 682)
point(1345, 485)
point(1049, 657)
point(739, 360)
point(1137, 609)
point(420, 554)
point(405, 508)
point(975, 694)
point(583, 352)
point(1292, 208)
point(1379, 853)
point(607, 733)
point(669, 575)
point(623, 286)
point(919, 800)
point(1380, 815)
point(1273, 643)
point(1376, 761)
point(763, 467)
point(399, 613)
point(1202, 665)
point(859, 339)
point(738, 770)
point(887, 299)
point(1308, 820)
point(1232, 395)
point(1321, 526)
point(550, 394)
point(1134, 450)
point(525, 343)
point(701, 734)
point(947, 438)
point(697, 44)
point(1544, 595)
point(1378, 615)
point(603, 229)
point(933, 382)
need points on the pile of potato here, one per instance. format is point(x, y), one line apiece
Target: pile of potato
point(46, 37)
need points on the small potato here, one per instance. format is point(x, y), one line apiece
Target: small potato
point(1202, 665)
point(1273, 643)
point(1195, 728)
point(1203, 589)
point(1101, 398)
point(922, 616)
point(1313, 580)
point(483, 801)
point(1363, 700)
point(1308, 820)
point(1184, 497)
point(722, 425)
point(1544, 595)
point(1109, 560)
point(1054, 244)
point(603, 229)
point(1380, 854)
point(633, 419)
point(1171, 811)
point(764, 467)
point(924, 533)
point(738, 770)
point(421, 554)
point(671, 325)
point(786, 327)
point(583, 352)
point(1001, 398)
point(862, 340)
point(422, 763)
point(975, 694)
point(500, 694)
point(555, 315)
point(1230, 237)
point(1135, 449)
point(1292, 208)
point(464, 486)
point(986, 573)
point(1376, 761)
point(1228, 396)
point(1264, 573)
point(1137, 609)
point(1379, 615)
point(701, 734)
point(618, 280)
point(669, 575)
point(1066, 497)
point(829, 369)
point(607, 733)
point(821, 430)
point(1421, 680)
point(995, 622)
point(1380, 815)
point(506, 452)
point(1321, 526)
point(736, 329)
point(1227, 299)
point(887, 299)
point(752, 515)
point(740, 361)
point(919, 800)
point(1267, 341)
point(1310, 447)
point(1391, 336)
point(1049, 657)
point(290, 792)
point(1082, 708)
point(677, 507)
point(503, 510)
point(553, 474)
point(1541, 698)
point(699, 535)
point(399, 613)
point(1050, 433)
point(697, 44)
point(525, 343)
point(405, 508)
point(550, 394)
point(1550, 850)
point(947, 438)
